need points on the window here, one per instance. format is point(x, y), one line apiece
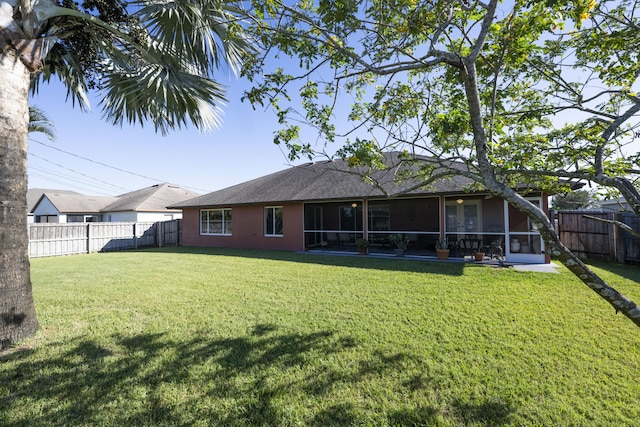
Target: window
point(215, 221)
point(75, 218)
point(273, 221)
point(46, 218)
point(83, 218)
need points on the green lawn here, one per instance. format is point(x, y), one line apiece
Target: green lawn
point(184, 337)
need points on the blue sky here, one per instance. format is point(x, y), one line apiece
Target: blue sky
point(240, 150)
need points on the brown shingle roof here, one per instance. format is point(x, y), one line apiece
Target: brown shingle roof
point(325, 180)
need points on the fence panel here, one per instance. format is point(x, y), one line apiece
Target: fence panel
point(75, 238)
point(598, 239)
point(59, 239)
point(170, 232)
point(631, 242)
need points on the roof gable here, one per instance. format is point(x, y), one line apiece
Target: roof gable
point(35, 194)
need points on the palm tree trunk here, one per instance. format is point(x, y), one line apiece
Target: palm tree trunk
point(17, 312)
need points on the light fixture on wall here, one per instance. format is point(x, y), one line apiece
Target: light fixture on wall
point(459, 201)
point(354, 205)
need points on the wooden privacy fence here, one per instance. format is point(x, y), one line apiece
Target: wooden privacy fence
point(598, 239)
point(81, 238)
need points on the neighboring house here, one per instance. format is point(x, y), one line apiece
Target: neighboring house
point(619, 205)
point(325, 206)
point(34, 195)
point(61, 207)
point(144, 205)
point(147, 204)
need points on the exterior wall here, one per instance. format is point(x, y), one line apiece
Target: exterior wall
point(247, 229)
point(131, 216)
point(248, 223)
point(45, 207)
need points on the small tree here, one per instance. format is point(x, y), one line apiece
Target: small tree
point(526, 95)
point(573, 200)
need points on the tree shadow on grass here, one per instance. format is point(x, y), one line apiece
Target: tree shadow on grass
point(628, 271)
point(266, 377)
point(453, 267)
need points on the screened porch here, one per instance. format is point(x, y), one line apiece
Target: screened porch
point(468, 223)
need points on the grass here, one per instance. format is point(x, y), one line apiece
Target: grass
point(184, 337)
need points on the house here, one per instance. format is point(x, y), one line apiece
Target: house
point(326, 206)
point(614, 205)
point(147, 204)
point(144, 205)
point(61, 207)
point(34, 195)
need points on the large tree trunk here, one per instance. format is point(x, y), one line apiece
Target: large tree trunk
point(555, 247)
point(17, 312)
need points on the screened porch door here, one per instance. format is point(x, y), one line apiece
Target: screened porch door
point(463, 218)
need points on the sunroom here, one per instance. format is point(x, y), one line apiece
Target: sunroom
point(469, 223)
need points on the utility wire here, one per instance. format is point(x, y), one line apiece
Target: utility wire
point(79, 173)
point(64, 181)
point(109, 166)
point(70, 179)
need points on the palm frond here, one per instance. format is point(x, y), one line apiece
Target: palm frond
point(66, 66)
point(158, 64)
point(40, 122)
point(201, 32)
point(168, 97)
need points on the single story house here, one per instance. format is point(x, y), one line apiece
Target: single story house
point(33, 197)
point(145, 205)
point(614, 205)
point(327, 206)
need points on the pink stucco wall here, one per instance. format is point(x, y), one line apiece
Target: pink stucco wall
point(247, 229)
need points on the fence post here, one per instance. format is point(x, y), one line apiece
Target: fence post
point(619, 240)
point(88, 237)
point(135, 238)
point(159, 233)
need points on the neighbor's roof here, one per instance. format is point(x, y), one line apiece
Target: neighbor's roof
point(66, 202)
point(151, 199)
point(35, 194)
point(325, 180)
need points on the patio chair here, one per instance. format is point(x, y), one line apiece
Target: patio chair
point(454, 246)
point(495, 249)
point(413, 239)
point(470, 246)
point(345, 239)
point(332, 239)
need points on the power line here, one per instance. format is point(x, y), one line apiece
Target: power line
point(75, 182)
point(64, 182)
point(79, 173)
point(109, 166)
